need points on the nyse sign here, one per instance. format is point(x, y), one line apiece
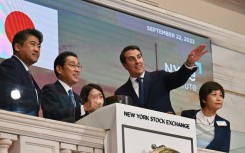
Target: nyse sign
point(189, 85)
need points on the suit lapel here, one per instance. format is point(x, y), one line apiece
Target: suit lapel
point(147, 80)
point(36, 85)
point(60, 88)
point(25, 77)
point(130, 92)
point(217, 131)
point(217, 134)
point(33, 82)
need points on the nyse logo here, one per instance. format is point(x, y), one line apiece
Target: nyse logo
point(192, 78)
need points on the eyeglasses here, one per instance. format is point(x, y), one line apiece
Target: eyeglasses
point(74, 66)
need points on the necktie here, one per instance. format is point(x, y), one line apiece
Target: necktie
point(30, 78)
point(71, 95)
point(141, 90)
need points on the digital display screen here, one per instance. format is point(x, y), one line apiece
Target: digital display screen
point(98, 34)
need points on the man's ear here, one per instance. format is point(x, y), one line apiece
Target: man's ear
point(125, 66)
point(58, 69)
point(17, 47)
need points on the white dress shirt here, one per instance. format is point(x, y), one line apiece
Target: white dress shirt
point(205, 129)
point(136, 84)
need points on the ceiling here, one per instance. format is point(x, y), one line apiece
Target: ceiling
point(226, 14)
point(234, 5)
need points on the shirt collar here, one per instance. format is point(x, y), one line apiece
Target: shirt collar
point(133, 79)
point(26, 67)
point(65, 86)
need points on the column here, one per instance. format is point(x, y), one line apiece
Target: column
point(83, 149)
point(6, 141)
point(4, 145)
point(67, 148)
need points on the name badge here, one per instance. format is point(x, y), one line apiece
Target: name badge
point(221, 123)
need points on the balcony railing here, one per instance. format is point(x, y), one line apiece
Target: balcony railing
point(21, 133)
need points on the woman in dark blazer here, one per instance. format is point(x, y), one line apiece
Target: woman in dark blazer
point(213, 131)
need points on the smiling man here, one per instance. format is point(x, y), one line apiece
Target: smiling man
point(58, 101)
point(151, 90)
point(18, 90)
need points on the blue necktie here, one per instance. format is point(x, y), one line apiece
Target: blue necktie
point(71, 95)
point(141, 90)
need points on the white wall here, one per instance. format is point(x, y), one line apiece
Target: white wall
point(229, 70)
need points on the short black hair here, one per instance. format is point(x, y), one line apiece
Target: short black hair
point(61, 59)
point(21, 36)
point(130, 47)
point(86, 90)
point(207, 88)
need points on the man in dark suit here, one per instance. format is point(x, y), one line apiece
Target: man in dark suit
point(57, 102)
point(158, 84)
point(18, 90)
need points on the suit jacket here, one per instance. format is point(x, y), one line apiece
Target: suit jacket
point(157, 87)
point(222, 134)
point(13, 75)
point(57, 105)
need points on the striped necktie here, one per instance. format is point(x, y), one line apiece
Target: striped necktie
point(71, 95)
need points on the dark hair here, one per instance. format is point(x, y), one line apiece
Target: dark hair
point(86, 90)
point(21, 36)
point(207, 88)
point(61, 59)
point(130, 47)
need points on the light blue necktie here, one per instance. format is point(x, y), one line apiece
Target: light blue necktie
point(141, 91)
point(71, 95)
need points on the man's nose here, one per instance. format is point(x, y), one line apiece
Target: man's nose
point(137, 60)
point(36, 48)
point(77, 69)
